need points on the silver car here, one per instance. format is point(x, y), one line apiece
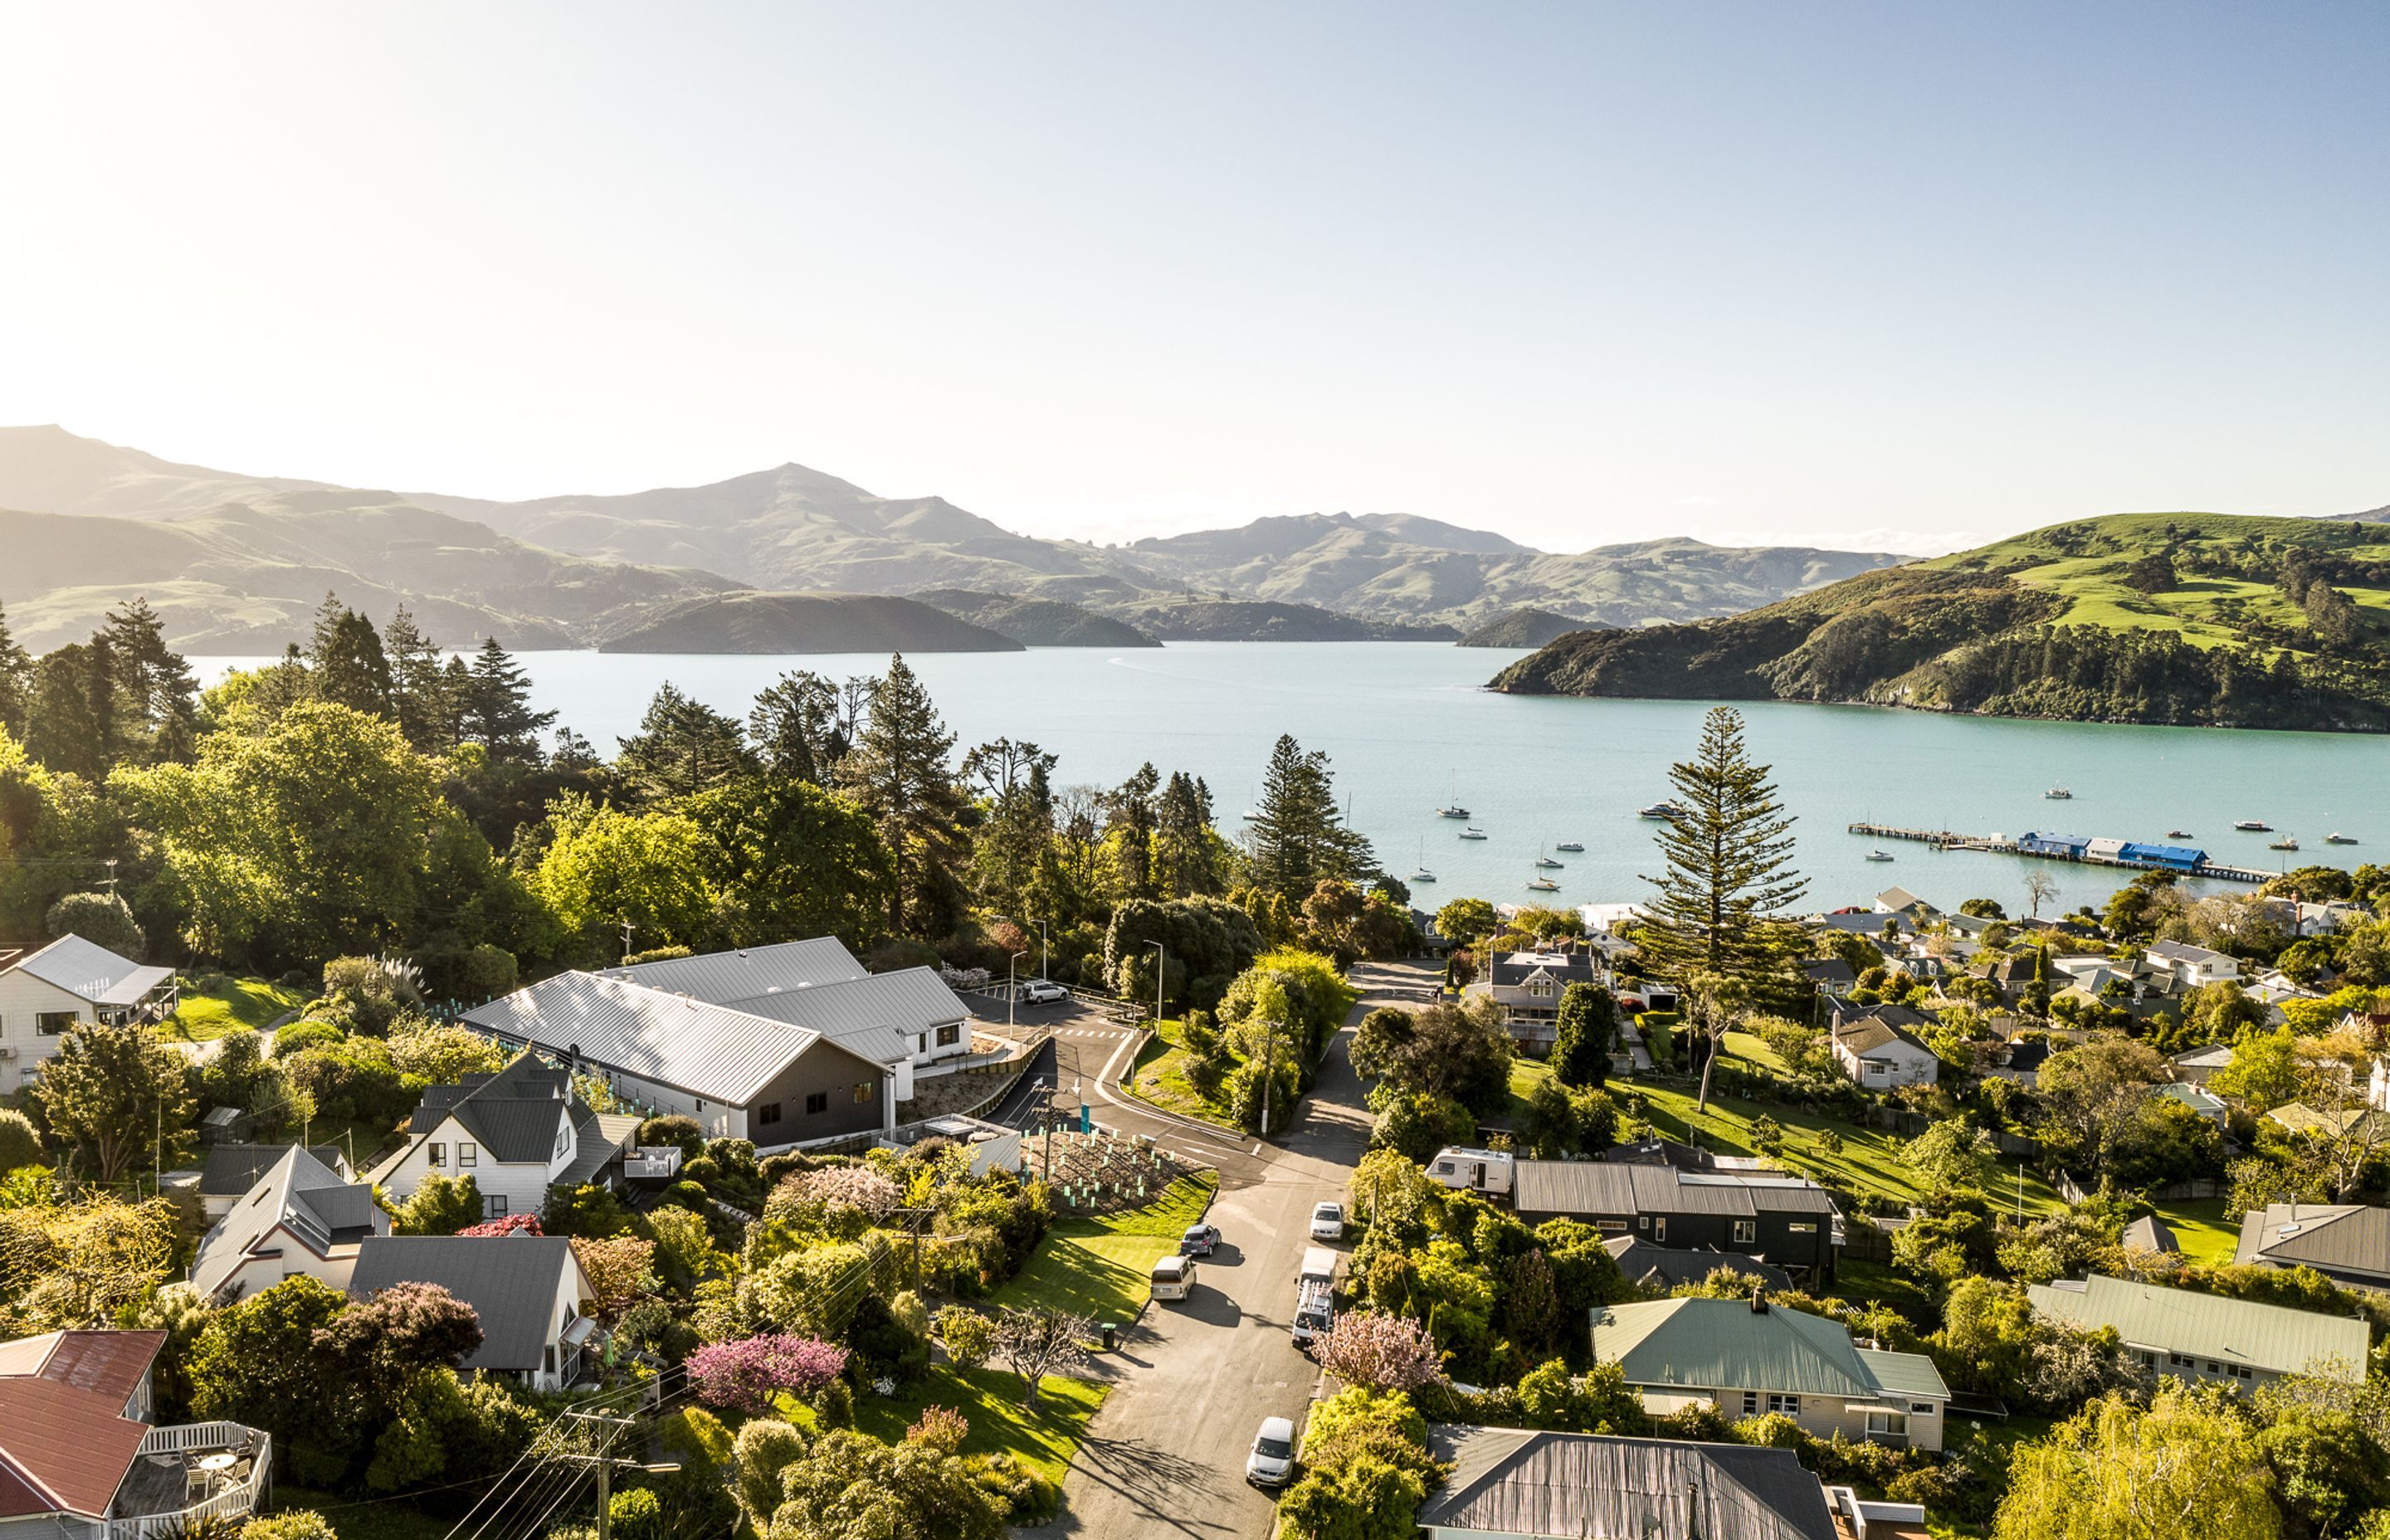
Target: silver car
point(1272, 1461)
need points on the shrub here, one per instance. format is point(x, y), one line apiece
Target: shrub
point(968, 1336)
point(298, 1524)
point(102, 918)
point(635, 1515)
point(298, 1036)
point(673, 1129)
point(19, 1144)
point(372, 990)
point(745, 1375)
point(940, 1428)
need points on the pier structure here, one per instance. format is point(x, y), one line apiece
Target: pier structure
point(2000, 844)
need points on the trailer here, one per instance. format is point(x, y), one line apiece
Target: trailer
point(1315, 1294)
point(1492, 1171)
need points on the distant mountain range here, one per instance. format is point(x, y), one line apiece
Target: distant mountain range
point(238, 562)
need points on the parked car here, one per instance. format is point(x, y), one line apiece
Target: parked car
point(1043, 992)
point(1200, 1241)
point(1328, 1222)
point(1173, 1278)
point(1272, 1461)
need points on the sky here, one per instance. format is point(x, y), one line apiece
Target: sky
point(1873, 276)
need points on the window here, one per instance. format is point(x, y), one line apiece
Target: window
point(1788, 1404)
point(950, 1035)
point(2180, 1360)
point(817, 1101)
point(2243, 1371)
point(436, 1153)
point(494, 1206)
point(1801, 1229)
point(562, 1136)
point(1889, 1424)
point(1745, 1231)
point(2215, 1368)
point(49, 1023)
point(1611, 1226)
point(862, 1092)
point(1922, 1408)
point(1750, 1403)
point(468, 1154)
point(768, 1113)
point(1660, 1228)
point(1642, 1221)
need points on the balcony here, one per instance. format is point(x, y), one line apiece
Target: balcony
point(651, 1163)
point(190, 1472)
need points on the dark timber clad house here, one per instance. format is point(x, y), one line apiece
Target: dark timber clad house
point(1787, 1221)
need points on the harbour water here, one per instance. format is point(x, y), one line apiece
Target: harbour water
point(1408, 727)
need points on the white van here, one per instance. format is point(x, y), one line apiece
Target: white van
point(1174, 1278)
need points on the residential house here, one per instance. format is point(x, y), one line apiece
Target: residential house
point(774, 1059)
point(1856, 921)
point(529, 1291)
point(232, 1170)
point(1527, 986)
point(1878, 1055)
point(1831, 977)
point(2195, 1066)
point(1659, 1151)
point(1747, 1357)
point(516, 1133)
point(2206, 1103)
point(79, 1459)
point(2328, 1123)
point(2192, 965)
point(301, 1216)
point(2346, 1242)
point(2149, 1233)
point(2195, 1335)
point(1787, 1222)
point(1666, 1267)
point(44, 993)
point(2021, 1063)
point(1517, 1484)
point(1901, 901)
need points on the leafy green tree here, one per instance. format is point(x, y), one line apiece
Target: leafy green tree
point(2116, 1471)
point(899, 773)
point(605, 868)
point(1587, 1030)
point(102, 918)
point(788, 858)
point(20, 1145)
point(1299, 838)
point(16, 682)
point(440, 1205)
point(1466, 921)
point(300, 843)
point(1461, 1052)
point(2264, 1069)
point(849, 1483)
point(683, 747)
point(117, 1095)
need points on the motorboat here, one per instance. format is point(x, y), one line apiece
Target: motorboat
point(2254, 825)
point(1548, 862)
point(1667, 811)
point(2059, 794)
point(1878, 855)
point(2340, 839)
point(1545, 885)
point(2180, 834)
point(2285, 842)
point(1579, 844)
point(1473, 832)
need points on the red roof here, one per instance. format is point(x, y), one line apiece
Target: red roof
point(63, 1450)
point(111, 1363)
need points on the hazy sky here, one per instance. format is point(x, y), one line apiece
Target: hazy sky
point(1908, 276)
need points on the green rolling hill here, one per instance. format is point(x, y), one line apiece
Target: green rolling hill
point(2192, 618)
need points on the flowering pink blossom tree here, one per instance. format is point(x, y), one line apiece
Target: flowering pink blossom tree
point(1379, 1349)
point(745, 1375)
point(513, 1224)
point(859, 1187)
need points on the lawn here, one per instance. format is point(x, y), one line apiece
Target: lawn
point(2205, 1236)
point(230, 1006)
point(1101, 1268)
point(1869, 1161)
point(1159, 1077)
point(387, 1519)
point(1043, 1435)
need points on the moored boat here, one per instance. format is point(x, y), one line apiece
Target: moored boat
point(1579, 844)
point(1878, 855)
point(2340, 839)
point(2254, 825)
point(2059, 794)
point(1669, 812)
point(1473, 832)
point(2285, 842)
point(1544, 885)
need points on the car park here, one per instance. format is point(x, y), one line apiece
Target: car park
point(1272, 1460)
point(1328, 1222)
point(1200, 1241)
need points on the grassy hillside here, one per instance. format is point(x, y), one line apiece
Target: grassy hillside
point(1036, 622)
point(808, 622)
point(2187, 618)
point(1529, 627)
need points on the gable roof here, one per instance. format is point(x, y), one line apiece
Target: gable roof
point(106, 1363)
point(2208, 1326)
point(1728, 1343)
point(232, 1169)
point(725, 978)
point(1872, 1034)
point(1580, 1486)
point(91, 970)
point(2182, 951)
point(66, 1449)
point(2331, 1238)
point(298, 1193)
point(1642, 1261)
point(1828, 970)
point(1607, 1188)
point(815, 985)
point(713, 1051)
point(1901, 898)
point(2149, 1233)
point(515, 1114)
point(511, 1282)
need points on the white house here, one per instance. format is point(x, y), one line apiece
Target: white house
point(300, 1216)
point(818, 984)
point(2194, 1336)
point(233, 1171)
point(2192, 965)
point(1878, 1055)
point(1900, 900)
point(516, 1133)
point(44, 993)
point(2199, 1099)
point(530, 1292)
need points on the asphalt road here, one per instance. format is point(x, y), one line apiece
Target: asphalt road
point(1193, 1380)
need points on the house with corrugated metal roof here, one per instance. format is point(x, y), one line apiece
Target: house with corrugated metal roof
point(530, 1293)
point(2193, 1336)
point(1787, 1222)
point(43, 993)
point(1879, 1053)
point(516, 1133)
point(1518, 1483)
point(1750, 1357)
point(2346, 1242)
point(817, 984)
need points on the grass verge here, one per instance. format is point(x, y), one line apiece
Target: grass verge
point(233, 1006)
point(1043, 1434)
point(1159, 1077)
point(1101, 1268)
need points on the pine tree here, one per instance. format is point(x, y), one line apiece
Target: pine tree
point(1729, 875)
point(1185, 848)
point(154, 716)
point(351, 668)
point(419, 694)
point(899, 772)
point(683, 747)
point(1299, 839)
point(497, 712)
point(60, 729)
point(1130, 817)
point(795, 727)
point(1011, 780)
point(16, 682)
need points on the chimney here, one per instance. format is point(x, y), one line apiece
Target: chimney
point(1759, 1302)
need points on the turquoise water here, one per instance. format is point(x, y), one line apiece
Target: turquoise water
point(1407, 723)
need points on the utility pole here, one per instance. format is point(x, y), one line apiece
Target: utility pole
point(626, 942)
point(1269, 1063)
point(606, 1463)
point(1160, 967)
point(1012, 998)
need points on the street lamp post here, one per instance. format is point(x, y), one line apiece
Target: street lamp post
point(1013, 996)
point(1161, 966)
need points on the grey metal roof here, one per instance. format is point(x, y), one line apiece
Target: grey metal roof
point(1730, 1345)
point(1579, 1486)
point(713, 1051)
point(2267, 1337)
point(515, 1114)
point(511, 1282)
point(299, 1193)
point(1574, 1187)
point(2334, 1239)
point(2149, 1233)
point(87, 968)
point(232, 1169)
point(871, 1015)
point(1668, 1266)
point(1605, 1187)
point(726, 978)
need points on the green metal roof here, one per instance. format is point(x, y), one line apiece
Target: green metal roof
point(1711, 1345)
point(2209, 1328)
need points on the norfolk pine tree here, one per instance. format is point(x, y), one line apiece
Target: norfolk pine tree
point(1729, 875)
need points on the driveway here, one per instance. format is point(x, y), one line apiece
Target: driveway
point(1166, 1454)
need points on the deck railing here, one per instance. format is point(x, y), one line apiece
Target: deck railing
point(233, 1500)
